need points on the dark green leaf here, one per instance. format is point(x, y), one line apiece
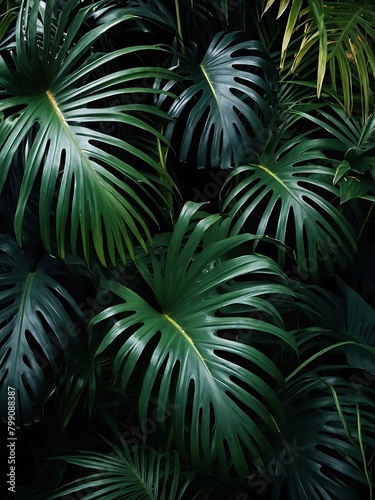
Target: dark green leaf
point(319, 454)
point(57, 98)
point(291, 187)
point(194, 286)
point(36, 327)
point(230, 91)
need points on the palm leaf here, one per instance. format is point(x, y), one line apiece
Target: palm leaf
point(8, 13)
point(340, 36)
point(291, 187)
point(350, 39)
point(83, 389)
point(148, 13)
point(136, 474)
point(290, 26)
point(191, 364)
point(140, 472)
point(319, 454)
point(55, 100)
point(35, 325)
point(227, 94)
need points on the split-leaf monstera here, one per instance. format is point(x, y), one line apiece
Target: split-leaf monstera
point(229, 97)
point(287, 195)
point(192, 365)
point(222, 360)
point(55, 95)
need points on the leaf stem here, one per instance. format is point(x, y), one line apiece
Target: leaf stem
point(179, 27)
point(365, 466)
point(364, 223)
point(163, 163)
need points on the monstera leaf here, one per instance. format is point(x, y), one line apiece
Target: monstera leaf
point(345, 316)
point(226, 95)
point(355, 173)
point(288, 195)
point(61, 105)
point(36, 328)
point(223, 393)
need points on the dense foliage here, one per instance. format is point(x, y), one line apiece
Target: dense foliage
point(187, 274)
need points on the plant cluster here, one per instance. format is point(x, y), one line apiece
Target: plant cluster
point(168, 336)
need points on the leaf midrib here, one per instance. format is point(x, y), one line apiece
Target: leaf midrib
point(345, 32)
point(60, 115)
point(20, 318)
point(140, 479)
point(291, 193)
point(187, 338)
point(190, 341)
point(213, 91)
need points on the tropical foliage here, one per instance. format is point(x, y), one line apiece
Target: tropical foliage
point(187, 268)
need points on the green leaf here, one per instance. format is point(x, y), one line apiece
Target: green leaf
point(356, 144)
point(338, 36)
point(326, 461)
point(290, 25)
point(352, 187)
point(226, 96)
point(341, 170)
point(291, 187)
point(348, 317)
point(283, 5)
point(148, 15)
point(139, 473)
point(36, 326)
point(8, 13)
point(62, 105)
point(193, 287)
point(317, 11)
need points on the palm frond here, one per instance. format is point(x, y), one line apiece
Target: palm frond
point(135, 474)
point(344, 316)
point(355, 173)
point(336, 36)
point(8, 14)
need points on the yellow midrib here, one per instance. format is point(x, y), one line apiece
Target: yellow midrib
point(65, 124)
point(269, 172)
point(55, 106)
point(186, 337)
point(210, 85)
